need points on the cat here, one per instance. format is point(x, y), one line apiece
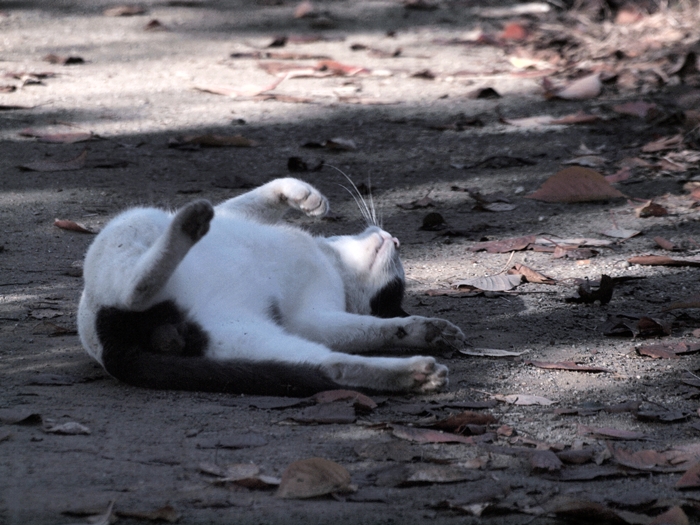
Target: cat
point(231, 299)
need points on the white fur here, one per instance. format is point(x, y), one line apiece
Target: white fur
point(247, 262)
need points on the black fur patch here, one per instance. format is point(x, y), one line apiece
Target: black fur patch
point(387, 302)
point(160, 349)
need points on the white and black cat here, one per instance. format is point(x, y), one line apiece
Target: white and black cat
point(227, 299)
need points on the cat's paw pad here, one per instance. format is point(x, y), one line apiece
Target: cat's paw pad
point(304, 197)
point(442, 333)
point(427, 375)
point(193, 220)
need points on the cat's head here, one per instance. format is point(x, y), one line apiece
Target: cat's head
point(372, 272)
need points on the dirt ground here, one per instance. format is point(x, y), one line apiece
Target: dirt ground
point(625, 435)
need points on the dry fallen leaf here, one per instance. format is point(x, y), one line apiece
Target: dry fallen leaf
point(567, 365)
point(530, 275)
point(691, 478)
point(72, 226)
point(524, 400)
point(55, 165)
point(582, 89)
point(663, 143)
point(491, 283)
point(71, 428)
point(505, 245)
point(662, 260)
point(57, 138)
point(308, 478)
point(636, 109)
point(492, 352)
point(575, 184)
point(124, 10)
point(211, 141)
point(609, 433)
point(420, 435)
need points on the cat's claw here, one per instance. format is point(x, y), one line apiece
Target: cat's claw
point(193, 220)
point(304, 197)
point(427, 375)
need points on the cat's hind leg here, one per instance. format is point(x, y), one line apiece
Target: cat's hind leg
point(133, 258)
point(269, 202)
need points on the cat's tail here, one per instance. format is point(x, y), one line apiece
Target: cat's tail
point(134, 353)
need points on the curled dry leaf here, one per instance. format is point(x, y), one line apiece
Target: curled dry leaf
point(650, 209)
point(662, 260)
point(691, 478)
point(666, 244)
point(124, 10)
point(212, 141)
point(603, 294)
point(636, 109)
point(524, 400)
point(420, 435)
point(331, 396)
point(72, 226)
point(609, 433)
point(505, 245)
point(620, 233)
point(71, 428)
point(54, 165)
point(244, 91)
point(492, 283)
point(584, 88)
point(667, 350)
point(530, 275)
point(308, 478)
point(567, 365)
point(575, 184)
point(663, 143)
point(57, 138)
point(492, 352)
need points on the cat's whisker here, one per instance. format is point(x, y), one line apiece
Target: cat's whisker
point(369, 215)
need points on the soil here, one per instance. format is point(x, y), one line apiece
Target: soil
point(414, 137)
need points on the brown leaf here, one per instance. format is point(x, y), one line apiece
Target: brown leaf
point(57, 138)
point(458, 422)
point(663, 143)
point(327, 413)
point(55, 165)
point(308, 478)
point(581, 117)
point(584, 88)
point(70, 428)
point(524, 400)
point(505, 245)
point(243, 92)
point(649, 460)
point(662, 260)
point(358, 399)
point(513, 31)
point(421, 435)
point(124, 10)
point(72, 226)
point(609, 433)
point(530, 275)
point(651, 209)
point(545, 460)
point(621, 233)
point(491, 283)
point(673, 516)
point(690, 302)
point(691, 478)
point(575, 184)
point(425, 202)
point(636, 109)
point(155, 25)
point(667, 350)
point(11, 416)
point(619, 176)
point(211, 141)
point(567, 365)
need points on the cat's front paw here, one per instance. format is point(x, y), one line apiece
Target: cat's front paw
point(193, 220)
point(427, 375)
point(304, 197)
point(429, 332)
